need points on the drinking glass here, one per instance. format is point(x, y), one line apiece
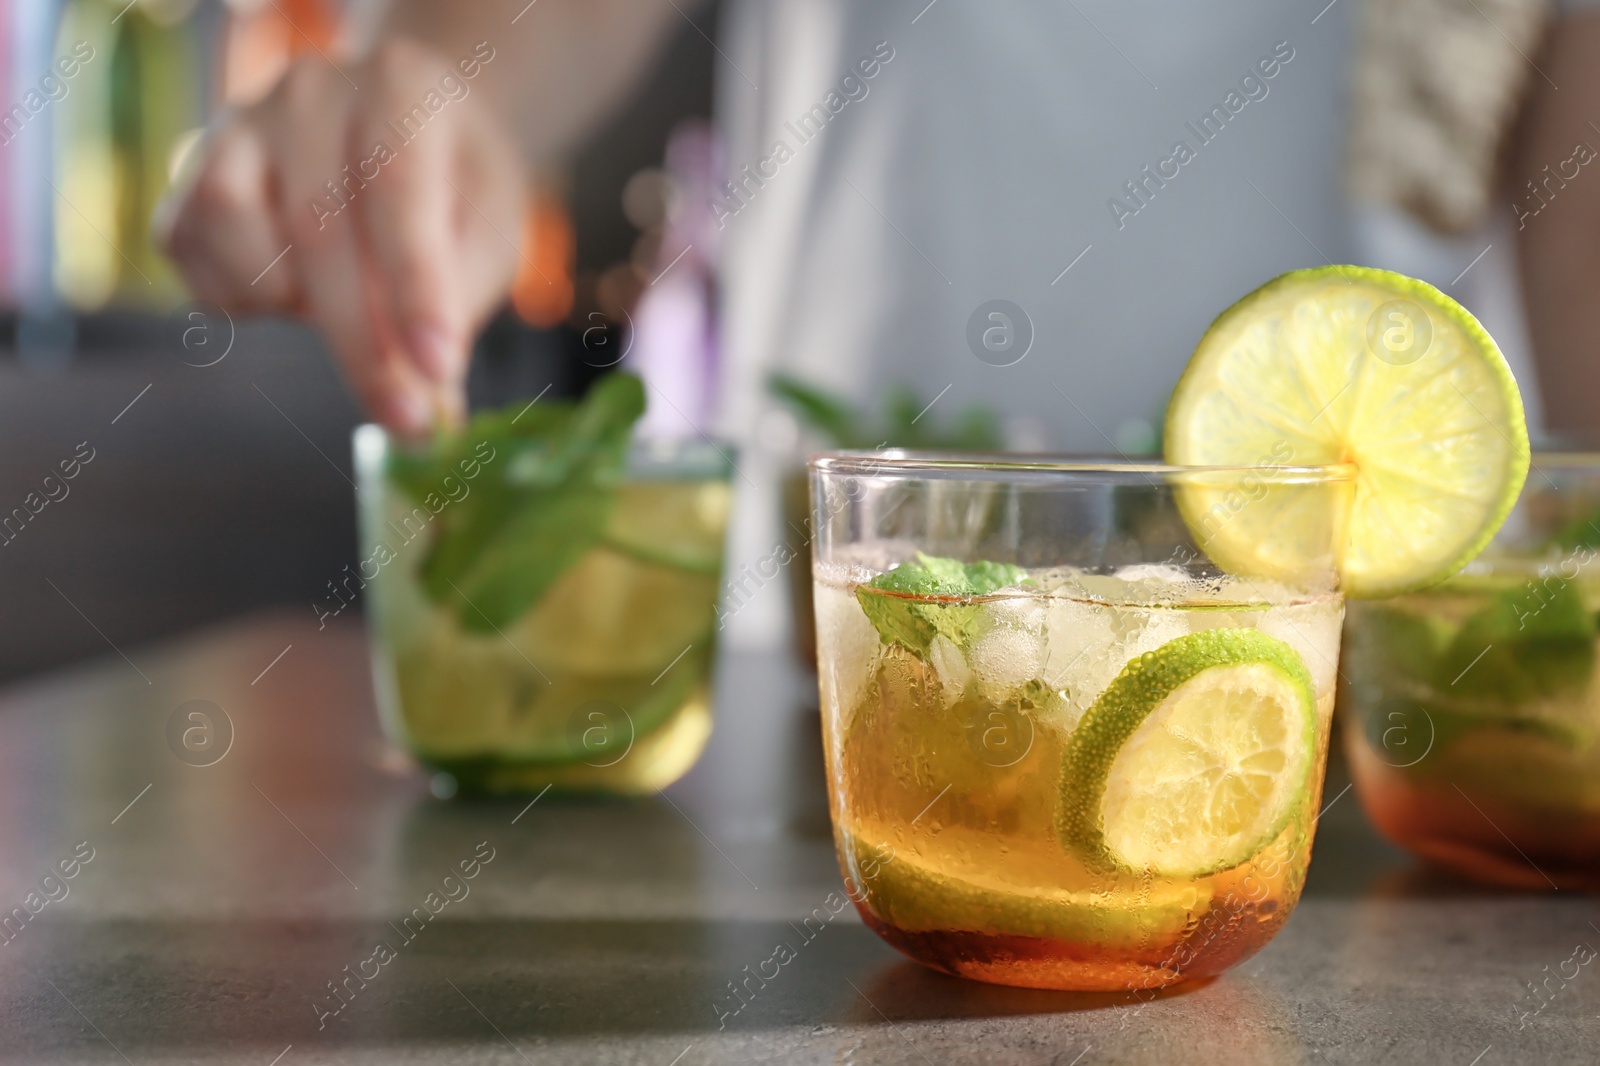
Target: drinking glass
point(603, 684)
point(1471, 709)
point(1075, 712)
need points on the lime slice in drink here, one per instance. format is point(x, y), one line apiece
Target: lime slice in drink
point(1350, 365)
point(913, 897)
point(1194, 758)
point(597, 719)
point(455, 695)
point(671, 523)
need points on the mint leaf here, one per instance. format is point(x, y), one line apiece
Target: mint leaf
point(534, 509)
point(1539, 641)
point(902, 424)
point(897, 602)
point(898, 620)
point(988, 577)
point(830, 416)
point(928, 576)
point(507, 571)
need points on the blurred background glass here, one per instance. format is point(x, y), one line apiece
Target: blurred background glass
point(626, 631)
point(1472, 710)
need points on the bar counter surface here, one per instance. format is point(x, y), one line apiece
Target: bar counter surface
point(284, 889)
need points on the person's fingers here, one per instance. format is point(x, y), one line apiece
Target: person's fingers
point(310, 149)
point(440, 216)
point(444, 404)
point(490, 190)
point(405, 215)
point(222, 233)
point(397, 251)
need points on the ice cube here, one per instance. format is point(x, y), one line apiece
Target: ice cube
point(1091, 643)
point(950, 667)
point(1156, 582)
point(1058, 580)
point(1106, 588)
point(847, 647)
point(1005, 658)
point(1312, 629)
point(1147, 629)
point(1016, 612)
point(1073, 629)
point(1056, 708)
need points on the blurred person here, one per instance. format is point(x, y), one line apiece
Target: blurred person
point(892, 167)
point(1560, 250)
point(1115, 173)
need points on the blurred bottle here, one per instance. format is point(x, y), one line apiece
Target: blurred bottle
point(29, 30)
point(674, 336)
point(87, 261)
point(543, 290)
point(134, 93)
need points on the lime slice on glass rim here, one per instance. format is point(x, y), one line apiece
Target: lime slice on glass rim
point(1346, 364)
point(1194, 758)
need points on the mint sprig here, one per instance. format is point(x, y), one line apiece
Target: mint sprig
point(897, 602)
point(534, 509)
point(1525, 643)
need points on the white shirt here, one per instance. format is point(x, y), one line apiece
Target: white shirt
point(984, 158)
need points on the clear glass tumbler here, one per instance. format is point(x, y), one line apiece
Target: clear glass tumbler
point(603, 684)
point(1472, 709)
point(1075, 713)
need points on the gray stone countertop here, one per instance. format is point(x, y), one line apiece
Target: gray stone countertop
point(221, 900)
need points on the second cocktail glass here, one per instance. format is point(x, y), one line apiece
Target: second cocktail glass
point(1075, 735)
point(602, 683)
point(1472, 709)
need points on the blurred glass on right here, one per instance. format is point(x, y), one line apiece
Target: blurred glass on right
point(1471, 709)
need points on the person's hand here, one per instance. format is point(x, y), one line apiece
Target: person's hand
point(388, 225)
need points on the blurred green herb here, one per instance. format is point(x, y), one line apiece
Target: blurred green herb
point(540, 501)
point(904, 423)
point(1525, 643)
point(1406, 730)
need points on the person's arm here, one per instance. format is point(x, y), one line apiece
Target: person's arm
point(380, 196)
point(1559, 237)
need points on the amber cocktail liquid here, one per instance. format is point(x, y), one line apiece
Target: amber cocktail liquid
point(1073, 776)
